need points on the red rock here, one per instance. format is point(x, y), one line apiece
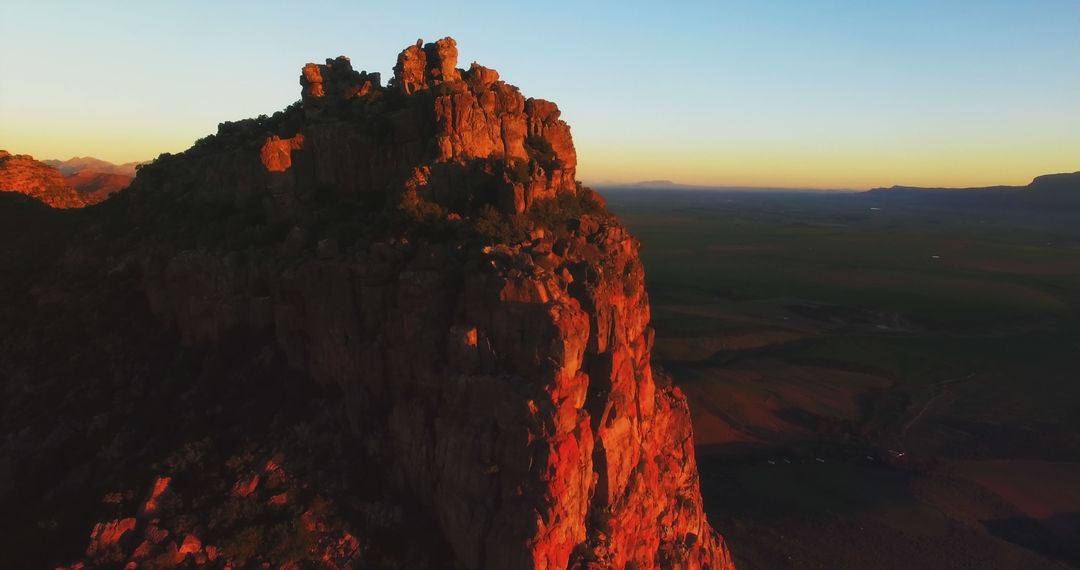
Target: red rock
point(276, 153)
point(271, 466)
point(156, 535)
point(191, 545)
point(345, 550)
point(245, 487)
point(423, 66)
point(442, 61)
point(160, 485)
point(108, 534)
point(410, 68)
point(96, 187)
point(334, 84)
point(311, 79)
point(21, 173)
point(511, 386)
point(142, 551)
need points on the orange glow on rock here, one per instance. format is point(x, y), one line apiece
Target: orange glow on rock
point(276, 153)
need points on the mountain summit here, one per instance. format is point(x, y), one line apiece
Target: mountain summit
point(417, 267)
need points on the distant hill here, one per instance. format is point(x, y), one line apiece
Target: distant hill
point(79, 164)
point(651, 184)
point(21, 173)
point(669, 185)
point(1044, 192)
point(95, 179)
point(97, 186)
point(68, 186)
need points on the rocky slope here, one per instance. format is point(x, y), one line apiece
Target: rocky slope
point(21, 173)
point(419, 254)
point(94, 187)
point(95, 179)
point(72, 184)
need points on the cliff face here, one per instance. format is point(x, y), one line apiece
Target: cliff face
point(423, 250)
point(21, 173)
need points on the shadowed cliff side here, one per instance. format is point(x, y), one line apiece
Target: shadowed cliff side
point(423, 251)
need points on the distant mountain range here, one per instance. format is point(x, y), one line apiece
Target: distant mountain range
point(79, 164)
point(74, 183)
point(1043, 193)
point(651, 184)
point(669, 185)
point(1049, 191)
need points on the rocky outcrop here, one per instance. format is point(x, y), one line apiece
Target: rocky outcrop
point(423, 250)
point(506, 382)
point(276, 153)
point(162, 535)
point(21, 173)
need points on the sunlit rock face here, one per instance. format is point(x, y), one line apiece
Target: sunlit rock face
point(483, 317)
point(21, 173)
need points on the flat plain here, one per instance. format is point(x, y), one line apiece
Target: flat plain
point(902, 376)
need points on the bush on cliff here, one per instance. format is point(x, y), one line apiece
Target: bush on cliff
point(553, 214)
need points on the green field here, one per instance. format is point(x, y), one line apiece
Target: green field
point(803, 325)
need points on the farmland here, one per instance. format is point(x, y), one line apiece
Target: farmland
point(909, 372)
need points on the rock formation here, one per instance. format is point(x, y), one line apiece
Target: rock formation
point(423, 250)
point(21, 173)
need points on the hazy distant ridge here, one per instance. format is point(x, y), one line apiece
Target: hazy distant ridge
point(669, 185)
point(1048, 191)
point(79, 164)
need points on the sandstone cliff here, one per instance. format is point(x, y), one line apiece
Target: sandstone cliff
point(423, 251)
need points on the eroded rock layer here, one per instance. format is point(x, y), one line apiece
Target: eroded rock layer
point(424, 249)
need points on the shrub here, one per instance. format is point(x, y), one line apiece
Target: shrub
point(190, 455)
point(501, 228)
point(565, 207)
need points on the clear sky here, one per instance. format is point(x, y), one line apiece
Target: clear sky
point(798, 93)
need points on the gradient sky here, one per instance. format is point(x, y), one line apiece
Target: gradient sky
point(792, 93)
